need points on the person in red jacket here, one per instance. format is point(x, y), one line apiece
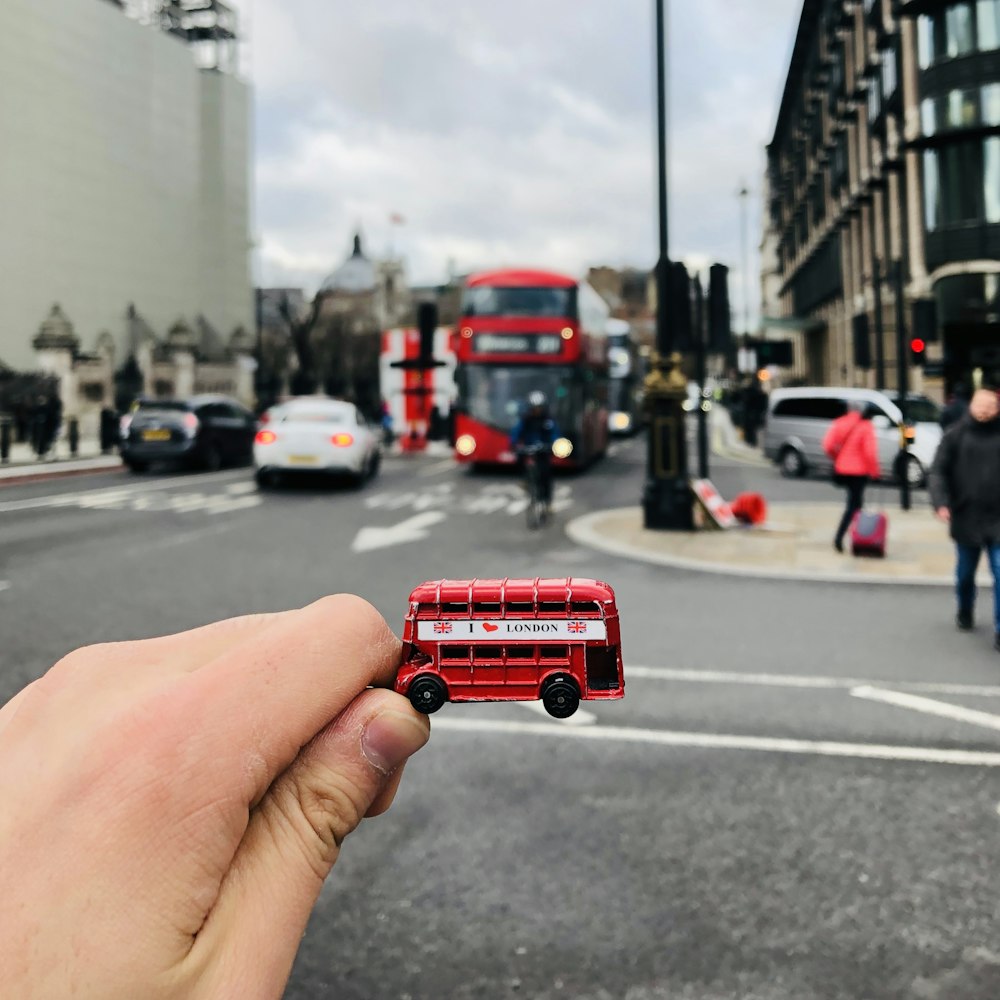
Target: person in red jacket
point(852, 445)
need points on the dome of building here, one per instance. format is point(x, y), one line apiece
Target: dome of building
point(356, 274)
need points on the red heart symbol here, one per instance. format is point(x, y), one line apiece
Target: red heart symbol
point(491, 628)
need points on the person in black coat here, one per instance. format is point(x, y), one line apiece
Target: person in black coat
point(965, 492)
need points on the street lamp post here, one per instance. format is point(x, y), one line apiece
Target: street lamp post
point(666, 501)
point(744, 195)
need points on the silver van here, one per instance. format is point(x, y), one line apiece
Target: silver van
point(798, 419)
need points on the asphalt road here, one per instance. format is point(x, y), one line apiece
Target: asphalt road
point(797, 799)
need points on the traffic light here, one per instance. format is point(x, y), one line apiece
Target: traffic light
point(427, 321)
point(918, 351)
point(862, 341)
point(680, 307)
point(720, 331)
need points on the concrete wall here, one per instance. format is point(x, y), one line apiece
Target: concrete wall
point(124, 177)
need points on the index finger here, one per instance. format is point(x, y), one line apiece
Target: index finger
point(260, 702)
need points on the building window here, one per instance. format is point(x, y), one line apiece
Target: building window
point(961, 109)
point(988, 27)
point(874, 101)
point(958, 30)
point(962, 184)
point(890, 73)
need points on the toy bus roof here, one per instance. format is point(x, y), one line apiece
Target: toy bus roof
point(557, 590)
point(520, 278)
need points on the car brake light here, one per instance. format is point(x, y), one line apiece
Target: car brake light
point(265, 437)
point(342, 440)
point(191, 422)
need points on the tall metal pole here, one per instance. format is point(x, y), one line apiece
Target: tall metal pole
point(745, 228)
point(667, 502)
point(903, 380)
point(701, 346)
point(664, 333)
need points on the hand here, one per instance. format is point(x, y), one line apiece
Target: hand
point(171, 807)
point(943, 514)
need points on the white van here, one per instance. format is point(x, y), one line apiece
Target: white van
point(798, 419)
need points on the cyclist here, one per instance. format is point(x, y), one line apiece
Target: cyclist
point(537, 431)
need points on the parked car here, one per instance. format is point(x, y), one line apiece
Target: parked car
point(316, 435)
point(798, 419)
point(204, 432)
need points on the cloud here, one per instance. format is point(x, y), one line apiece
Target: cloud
point(521, 132)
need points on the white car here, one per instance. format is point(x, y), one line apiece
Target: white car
point(315, 435)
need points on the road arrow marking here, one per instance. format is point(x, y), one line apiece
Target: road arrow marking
point(414, 529)
point(928, 706)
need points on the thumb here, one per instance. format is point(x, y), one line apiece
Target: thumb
point(294, 835)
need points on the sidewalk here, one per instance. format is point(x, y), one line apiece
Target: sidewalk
point(24, 463)
point(727, 442)
point(796, 544)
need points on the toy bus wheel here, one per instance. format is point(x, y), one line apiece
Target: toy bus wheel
point(561, 697)
point(427, 694)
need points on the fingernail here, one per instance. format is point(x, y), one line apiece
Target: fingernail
point(390, 738)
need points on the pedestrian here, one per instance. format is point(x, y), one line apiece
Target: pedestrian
point(852, 445)
point(754, 408)
point(159, 840)
point(965, 492)
point(958, 406)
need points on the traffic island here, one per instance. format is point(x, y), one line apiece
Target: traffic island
point(796, 543)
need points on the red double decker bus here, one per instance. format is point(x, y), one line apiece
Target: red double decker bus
point(511, 640)
point(518, 332)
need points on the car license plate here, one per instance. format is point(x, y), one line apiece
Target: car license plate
point(156, 435)
point(302, 459)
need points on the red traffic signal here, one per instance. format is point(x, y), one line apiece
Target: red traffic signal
point(918, 350)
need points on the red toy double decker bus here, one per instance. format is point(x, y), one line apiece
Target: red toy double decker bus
point(523, 331)
point(511, 640)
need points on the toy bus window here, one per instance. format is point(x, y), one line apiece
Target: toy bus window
point(455, 609)
point(602, 668)
point(585, 607)
point(555, 652)
point(552, 608)
point(520, 652)
point(453, 653)
point(520, 608)
point(486, 608)
point(487, 653)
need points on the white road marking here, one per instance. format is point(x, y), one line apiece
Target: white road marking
point(4, 584)
point(723, 741)
point(798, 681)
point(928, 706)
point(492, 498)
point(94, 497)
point(240, 489)
point(413, 529)
point(581, 717)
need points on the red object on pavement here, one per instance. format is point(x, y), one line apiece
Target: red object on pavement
point(869, 534)
point(750, 508)
point(511, 640)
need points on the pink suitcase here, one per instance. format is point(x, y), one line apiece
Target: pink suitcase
point(869, 534)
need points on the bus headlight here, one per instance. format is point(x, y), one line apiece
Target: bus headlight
point(620, 421)
point(688, 406)
point(465, 445)
point(562, 447)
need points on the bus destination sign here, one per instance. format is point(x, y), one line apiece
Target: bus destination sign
point(517, 343)
point(514, 629)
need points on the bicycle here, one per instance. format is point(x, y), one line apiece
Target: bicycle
point(537, 510)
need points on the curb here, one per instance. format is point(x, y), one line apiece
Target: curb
point(582, 530)
point(20, 475)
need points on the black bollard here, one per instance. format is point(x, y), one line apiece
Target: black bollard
point(73, 433)
point(5, 435)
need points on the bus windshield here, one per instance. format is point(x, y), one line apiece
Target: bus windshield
point(486, 300)
point(496, 393)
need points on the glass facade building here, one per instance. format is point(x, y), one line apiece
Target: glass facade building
point(886, 159)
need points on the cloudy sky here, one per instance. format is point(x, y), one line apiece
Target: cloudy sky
point(505, 133)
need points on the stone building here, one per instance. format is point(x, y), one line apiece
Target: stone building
point(886, 156)
point(124, 170)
